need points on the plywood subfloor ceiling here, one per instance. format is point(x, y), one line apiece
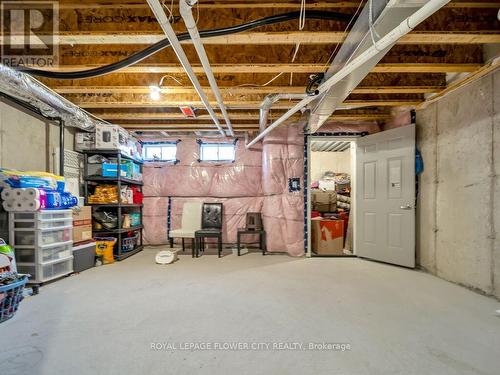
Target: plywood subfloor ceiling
point(95, 33)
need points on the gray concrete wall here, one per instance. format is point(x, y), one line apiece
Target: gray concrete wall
point(27, 142)
point(458, 212)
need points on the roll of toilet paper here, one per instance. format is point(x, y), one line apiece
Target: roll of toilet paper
point(33, 205)
point(18, 205)
point(30, 193)
point(7, 194)
point(9, 205)
point(18, 193)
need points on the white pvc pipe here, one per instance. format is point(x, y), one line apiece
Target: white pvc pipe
point(160, 15)
point(390, 38)
point(185, 8)
point(268, 102)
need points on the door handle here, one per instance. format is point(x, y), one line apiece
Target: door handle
point(407, 207)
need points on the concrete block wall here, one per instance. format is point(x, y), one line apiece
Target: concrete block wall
point(458, 213)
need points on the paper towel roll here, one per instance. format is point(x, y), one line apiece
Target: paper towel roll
point(7, 194)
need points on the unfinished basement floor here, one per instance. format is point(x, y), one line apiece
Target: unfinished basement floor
point(397, 321)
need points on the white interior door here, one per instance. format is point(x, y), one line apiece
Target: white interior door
point(385, 196)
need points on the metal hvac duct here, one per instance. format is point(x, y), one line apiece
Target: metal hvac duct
point(27, 89)
point(397, 19)
point(378, 17)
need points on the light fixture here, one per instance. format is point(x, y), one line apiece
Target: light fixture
point(155, 90)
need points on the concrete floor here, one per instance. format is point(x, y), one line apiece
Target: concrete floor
point(397, 321)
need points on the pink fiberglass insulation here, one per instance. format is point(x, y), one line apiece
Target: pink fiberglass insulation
point(203, 180)
point(192, 178)
point(370, 127)
point(283, 211)
point(256, 182)
point(155, 230)
point(234, 213)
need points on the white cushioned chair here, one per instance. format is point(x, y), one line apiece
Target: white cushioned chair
point(191, 222)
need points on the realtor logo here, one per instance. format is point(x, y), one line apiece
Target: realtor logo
point(29, 33)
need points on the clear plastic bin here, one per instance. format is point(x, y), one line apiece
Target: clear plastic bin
point(37, 237)
point(45, 254)
point(42, 215)
point(38, 224)
point(44, 272)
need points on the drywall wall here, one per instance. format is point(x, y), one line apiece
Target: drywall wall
point(458, 208)
point(27, 142)
point(338, 162)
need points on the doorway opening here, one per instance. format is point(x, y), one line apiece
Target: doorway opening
point(330, 196)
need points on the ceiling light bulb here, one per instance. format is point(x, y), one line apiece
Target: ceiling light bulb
point(155, 92)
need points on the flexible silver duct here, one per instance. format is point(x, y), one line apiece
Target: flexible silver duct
point(26, 88)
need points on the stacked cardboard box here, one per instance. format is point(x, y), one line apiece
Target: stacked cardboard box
point(324, 201)
point(82, 224)
point(327, 236)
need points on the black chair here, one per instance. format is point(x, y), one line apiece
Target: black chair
point(253, 226)
point(211, 226)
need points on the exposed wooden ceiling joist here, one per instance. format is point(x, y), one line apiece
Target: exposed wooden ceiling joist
point(275, 38)
point(116, 4)
point(240, 90)
point(231, 104)
point(491, 66)
point(120, 118)
point(278, 68)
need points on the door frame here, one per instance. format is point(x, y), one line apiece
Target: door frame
point(308, 138)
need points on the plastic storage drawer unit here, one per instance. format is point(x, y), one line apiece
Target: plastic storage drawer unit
point(46, 272)
point(39, 224)
point(43, 215)
point(41, 237)
point(44, 254)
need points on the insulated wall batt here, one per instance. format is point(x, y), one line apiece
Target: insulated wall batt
point(192, 178)
point(283, 211)
point(256, 182)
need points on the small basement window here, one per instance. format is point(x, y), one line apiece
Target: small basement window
point(159, 151)
point(217, 151)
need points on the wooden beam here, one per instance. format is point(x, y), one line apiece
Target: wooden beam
point(119, 118)
point(119, 4)
point(272, 38)
point(186, 127)
point(278, 68)
point(232, 104)
point(240, 90)
point(491, 66)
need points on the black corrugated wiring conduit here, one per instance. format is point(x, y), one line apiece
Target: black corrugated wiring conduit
point(164, 43)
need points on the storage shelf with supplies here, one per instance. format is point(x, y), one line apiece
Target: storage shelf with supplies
point(122, 208)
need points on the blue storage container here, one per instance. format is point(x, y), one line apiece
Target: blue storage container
point(111, 170)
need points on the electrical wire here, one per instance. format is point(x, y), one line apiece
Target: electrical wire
point(170, 15)
point(171, 77)
point(332, 55)
point(373, 32)
point(302, 24)
point(164, 43)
